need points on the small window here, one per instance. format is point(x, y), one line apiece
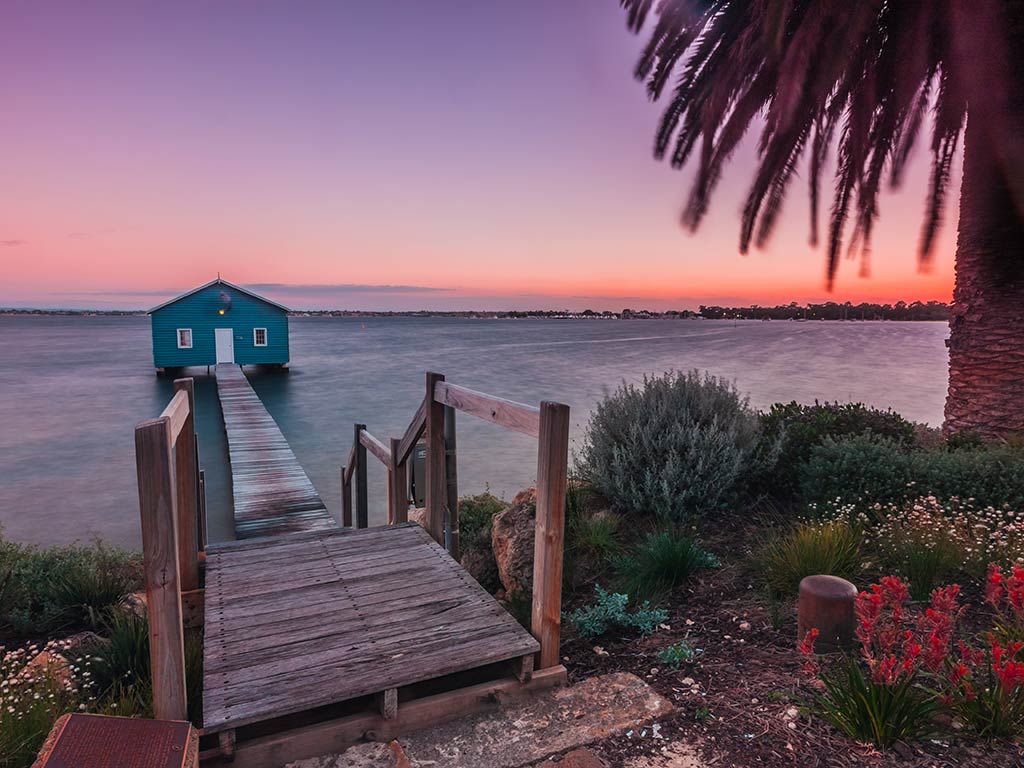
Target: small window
point(184, 338)
point(259, 337)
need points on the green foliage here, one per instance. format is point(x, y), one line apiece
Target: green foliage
point(864, 469)
point(660, 563)
point(675, 656)
point(595, 536)
point(869, 711)
point(801, 427)
point(610, 613)
point(68, 588)
point(121, 672)
point(476, 519)
point(677, 447)
point(867, 470)
point(807, 549)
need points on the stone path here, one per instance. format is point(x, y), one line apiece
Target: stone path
point(526, 733)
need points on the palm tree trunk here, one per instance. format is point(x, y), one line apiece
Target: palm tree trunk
point(986, 341)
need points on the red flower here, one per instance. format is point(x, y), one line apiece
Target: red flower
point(994, 586)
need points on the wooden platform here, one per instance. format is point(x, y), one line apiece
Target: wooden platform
point(298, 622)
point(272, 493)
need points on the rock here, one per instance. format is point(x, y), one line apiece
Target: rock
point(745, 626)
point(512, 540)
point(418, 515)
point(134, 604)
point(52, 665)
point(582, 758)
point(480, 564)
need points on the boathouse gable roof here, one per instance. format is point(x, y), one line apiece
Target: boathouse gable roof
point(212, 283)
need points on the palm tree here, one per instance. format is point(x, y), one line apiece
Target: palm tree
point(864, 75)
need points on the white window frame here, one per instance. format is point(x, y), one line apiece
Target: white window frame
point(190, 338)
point(255, 337)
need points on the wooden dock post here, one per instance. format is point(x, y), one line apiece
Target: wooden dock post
point(186, 480)
point(346, 498)
point(399, 497)
point(452, 481)
point(552, 466)
point(437, 482)
point(362, 520)
point(154, 457)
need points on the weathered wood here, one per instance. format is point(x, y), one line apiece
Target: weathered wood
point(437, 484)
point(375, 446)
point(452, 482)
point(506, 413)
point(192, 604)
point(389, 704)
point(399, 497)
point(362, 503)
point(523, 667)
point(412, 433)
point(335, 736)
point(186, 481)
point(318, 619)
point(227, 744)
point(177, 411)
point(204, 534)
point(346, 498)
point(271, 492)
point(552, 466)
point(154, 464)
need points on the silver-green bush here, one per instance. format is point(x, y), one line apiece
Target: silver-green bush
point(679, 446)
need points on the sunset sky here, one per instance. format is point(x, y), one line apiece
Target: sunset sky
point(450, 154)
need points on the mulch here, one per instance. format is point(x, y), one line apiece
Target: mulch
point(744, 700)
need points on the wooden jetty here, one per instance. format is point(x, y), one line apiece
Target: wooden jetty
point(272, 494)
point(316, 639)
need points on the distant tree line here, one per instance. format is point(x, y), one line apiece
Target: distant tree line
point(901, 310)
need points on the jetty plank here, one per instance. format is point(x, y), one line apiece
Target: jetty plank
point(272, 493)
point(304, 621)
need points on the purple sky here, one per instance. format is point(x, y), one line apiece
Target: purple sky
point(480, 154)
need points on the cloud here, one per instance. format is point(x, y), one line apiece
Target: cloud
point(12, 243)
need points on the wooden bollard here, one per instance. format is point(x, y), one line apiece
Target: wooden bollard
point(826, 604)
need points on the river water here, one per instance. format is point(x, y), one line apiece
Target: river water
point(72, 389)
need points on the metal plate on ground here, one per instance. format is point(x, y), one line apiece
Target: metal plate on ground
point(95, 741)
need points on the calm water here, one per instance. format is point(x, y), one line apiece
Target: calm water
point(72, 389)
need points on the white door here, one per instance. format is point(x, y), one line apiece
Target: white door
point(225, 345)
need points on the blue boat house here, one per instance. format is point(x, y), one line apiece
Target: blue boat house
point(219, 323)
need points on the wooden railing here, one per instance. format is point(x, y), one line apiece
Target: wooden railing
point(173, 509)
point(435, 419)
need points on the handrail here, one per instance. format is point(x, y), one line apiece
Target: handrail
point(376, 447)
point(176, 413)
point(412, 433)
point(434, 418)
point(505, 413)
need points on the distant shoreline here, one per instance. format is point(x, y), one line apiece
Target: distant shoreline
point(900, 311)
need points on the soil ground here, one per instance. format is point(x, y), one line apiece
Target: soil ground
point(744, 701)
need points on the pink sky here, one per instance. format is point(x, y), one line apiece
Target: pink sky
point(474, 155)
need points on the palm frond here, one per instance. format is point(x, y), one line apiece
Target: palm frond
point(800, 69)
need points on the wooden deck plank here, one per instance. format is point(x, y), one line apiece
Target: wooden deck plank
point(272, 494)
point(312, 620)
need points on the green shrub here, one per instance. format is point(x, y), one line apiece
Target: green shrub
point(594, 536)
point(869, 711)
point(476, 518)
point(808, 549)
point(44, 589)
point(867, 470)
point(609, 613)
point(121, 671)
point(661, 563)
point(801, 427)
point(861, 470)
point(678, 446)
point(675, 656)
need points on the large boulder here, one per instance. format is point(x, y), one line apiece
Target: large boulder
point(512, 541)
